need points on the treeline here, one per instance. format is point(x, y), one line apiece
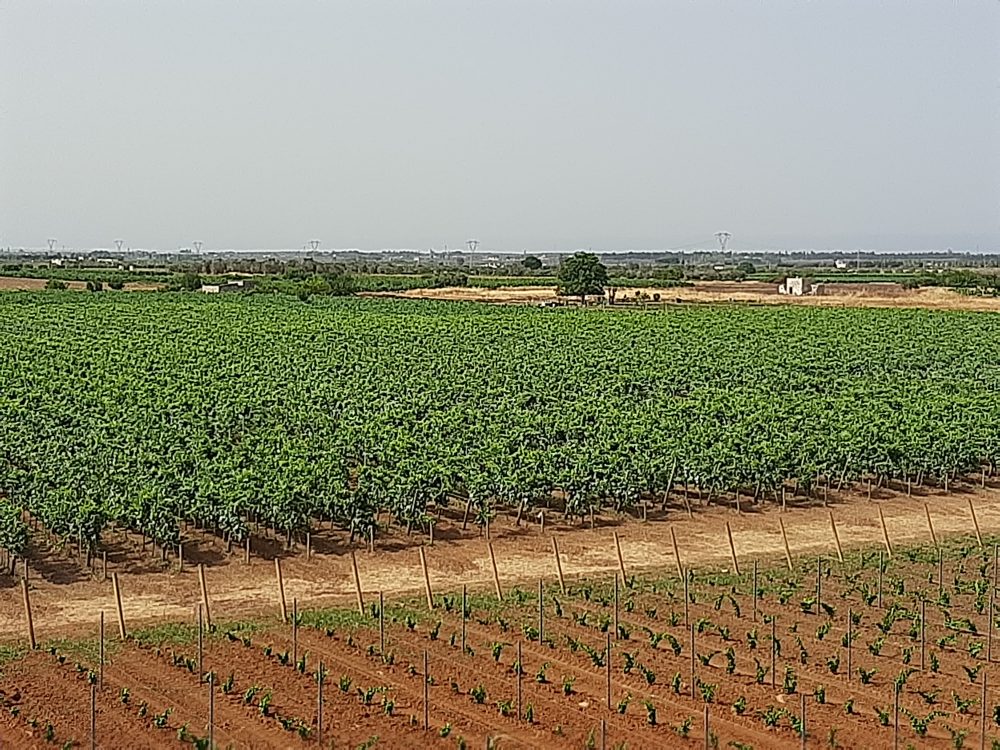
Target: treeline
point(968, 282)
point(110, 277)
point(300, 267)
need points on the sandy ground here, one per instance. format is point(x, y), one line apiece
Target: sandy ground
point(523, 556)
point(749, 292)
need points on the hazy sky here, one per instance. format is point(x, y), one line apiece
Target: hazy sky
point(535, 124)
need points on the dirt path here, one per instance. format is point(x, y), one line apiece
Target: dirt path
point(523, 556)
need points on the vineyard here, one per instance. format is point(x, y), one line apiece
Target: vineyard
point(877, 650)
point(149, 412)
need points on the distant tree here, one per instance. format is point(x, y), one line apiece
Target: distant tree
point(445, 278)
point(580, 275)
point(341, 284)
point(190, 282)
point(531, 262)
point(668, 272)
point(746, 268)
point(95, 286)
point(55, 284)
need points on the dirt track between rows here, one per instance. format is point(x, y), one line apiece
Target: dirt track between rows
point(523, 556)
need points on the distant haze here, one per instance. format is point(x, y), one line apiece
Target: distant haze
point(538, 124)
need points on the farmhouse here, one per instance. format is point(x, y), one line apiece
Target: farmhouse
point(796, 286)
point(237, 285)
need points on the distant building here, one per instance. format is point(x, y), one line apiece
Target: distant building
point(841, 264)
point(795, 286)
point(237, 285)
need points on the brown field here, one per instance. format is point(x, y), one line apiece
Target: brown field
point(158, 665)
point(746, 292)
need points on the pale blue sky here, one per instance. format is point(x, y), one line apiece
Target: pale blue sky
point(542, 124)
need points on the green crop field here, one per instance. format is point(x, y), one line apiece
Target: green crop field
point(144, 409)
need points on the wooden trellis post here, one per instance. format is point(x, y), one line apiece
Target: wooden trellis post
point(687, 598)
point(930, 525)
point(990, 625)
point(774, 651)
point(427, 578)
point(975, 524)
point(885, 532)
point(982, 717)
point(616, 606)
point(694, 669)
point(784, 539)
point(732, 549)
point(281, 590)
point(93, 717)
point(381, 625)
point(541, 612)
point(100, 669)
point(465, 616)
point(520, 672)
point(621, 561)
point(204, 595)
point(607, 666)
point(895, 719)
point(201, 643)
point(850, 644)
point(211, 709)
point(881, 564)
point(427, 701)
point(677, 554)
point(27, 614)
point(836, 538)
point(802, 716)
point(320, 679)
point(496, 573)
point(118, 603)
point(559, 570)
point(357, 584)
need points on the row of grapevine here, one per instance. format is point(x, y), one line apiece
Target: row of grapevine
point(144, 409)
point(13, 531)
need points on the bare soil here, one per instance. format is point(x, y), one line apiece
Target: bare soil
point(746, 292)
point(45, 691)
point(66, 596)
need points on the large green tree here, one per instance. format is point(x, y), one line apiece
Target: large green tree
point(581, 274)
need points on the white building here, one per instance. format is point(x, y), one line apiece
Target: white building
point(795, 286)
point(237, 285)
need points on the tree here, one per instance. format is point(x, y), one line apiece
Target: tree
point(56, 284)
point(190, 282)
point(580, 275)
point(531, 262)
